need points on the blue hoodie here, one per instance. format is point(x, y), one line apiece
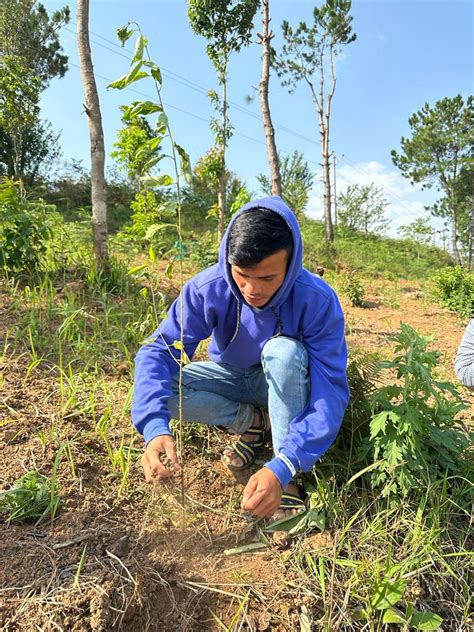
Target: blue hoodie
point(308, 310)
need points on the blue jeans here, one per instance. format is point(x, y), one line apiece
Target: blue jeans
point(225, 395)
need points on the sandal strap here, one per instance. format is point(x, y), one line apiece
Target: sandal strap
point(291, 501)
point(244, 450)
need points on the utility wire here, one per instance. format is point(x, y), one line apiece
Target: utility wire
point(119, 50)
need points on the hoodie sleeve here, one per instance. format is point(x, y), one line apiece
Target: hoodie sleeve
point(464, 363)
point(315, 429)
point(156, 363)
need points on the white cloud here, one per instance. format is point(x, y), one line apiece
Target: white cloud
point(406, 202)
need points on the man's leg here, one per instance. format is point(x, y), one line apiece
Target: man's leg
point(218, 394)
point(285, 367)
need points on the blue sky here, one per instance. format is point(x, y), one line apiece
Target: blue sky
point(407, 52)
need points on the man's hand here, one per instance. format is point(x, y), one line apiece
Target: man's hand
point(262, 494)
point(152, 465)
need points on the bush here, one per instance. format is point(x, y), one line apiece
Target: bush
point(25, 229)
point(454, 288)
point(354, 290)
point(414, 438)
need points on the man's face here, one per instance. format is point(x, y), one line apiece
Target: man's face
point(259, 283)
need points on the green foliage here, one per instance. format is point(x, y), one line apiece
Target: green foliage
point(418, 230)
point(31, 498)
point(226, 24)
point(39, 150)
point(25, 228)
point(296, 182)
point(28, 32)
point(137, 149)
point(454, 288)
point(354, 290)
point(439, 153)
point(414, 438)
point(362, 208)
point(376, 256)
point(307, 48)
point(387, 595)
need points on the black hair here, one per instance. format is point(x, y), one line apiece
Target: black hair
point(257, 234)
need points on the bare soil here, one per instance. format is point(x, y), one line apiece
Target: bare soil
point(154, 558)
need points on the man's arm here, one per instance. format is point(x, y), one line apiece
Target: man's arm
point(464, 363)
point(155, 366)
point(313, 431)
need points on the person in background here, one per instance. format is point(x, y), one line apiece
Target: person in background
point(278, 360)
point(464, 363)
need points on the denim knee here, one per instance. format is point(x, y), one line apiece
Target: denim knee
point(282, 353)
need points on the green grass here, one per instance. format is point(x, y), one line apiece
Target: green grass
point(375, 257)
point(80, 328)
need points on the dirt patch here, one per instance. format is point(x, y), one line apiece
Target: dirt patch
point(155, 559)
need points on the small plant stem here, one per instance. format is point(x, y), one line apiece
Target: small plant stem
point(181, 284)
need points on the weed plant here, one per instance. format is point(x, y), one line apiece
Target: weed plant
point(354, 290)
point(454, 288)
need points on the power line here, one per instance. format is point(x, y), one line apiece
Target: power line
point(169, 105)
point(192, 85)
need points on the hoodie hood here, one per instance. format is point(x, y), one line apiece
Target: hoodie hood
point(276, 204)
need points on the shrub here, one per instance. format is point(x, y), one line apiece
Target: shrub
point(25, 229)
point(413, 433)
point(354, 290)
point(454, 288)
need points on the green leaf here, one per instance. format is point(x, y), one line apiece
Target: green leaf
point(426, 621)
point(154, 70)
point(134, 74)
point(156, 74)
point(392, 616)
point(379, 423)
point(169, 268)
point(139, 48)
point(152, 162)
point(162, 122)
point(157, 181)
point(177, 344)
point(185, 163)
point(387, 594)
point(124, 34)
point(137, 269)
point(246, 548)
point(144, 108)
point(154, 228)
point(151, 253)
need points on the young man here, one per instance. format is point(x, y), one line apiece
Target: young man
point(277, 341)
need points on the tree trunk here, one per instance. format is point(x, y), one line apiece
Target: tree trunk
point(96, 134)
point(326, 180)
point(454, 239)
point(272, 154)
point(222, 192)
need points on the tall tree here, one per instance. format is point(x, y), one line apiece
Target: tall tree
point(39, 147)
point(265, 38)
point(27, 31)
point(19, 105)
point(362, 208)
point(227, 26)
point(296, 182)
point(30, 56)
point(440, 154)
point(308, 55)
point(96, 134)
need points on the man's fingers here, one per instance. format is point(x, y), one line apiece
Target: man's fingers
point(249, 491)
point(170, 449)
point(254, 501)
point(154, 468)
